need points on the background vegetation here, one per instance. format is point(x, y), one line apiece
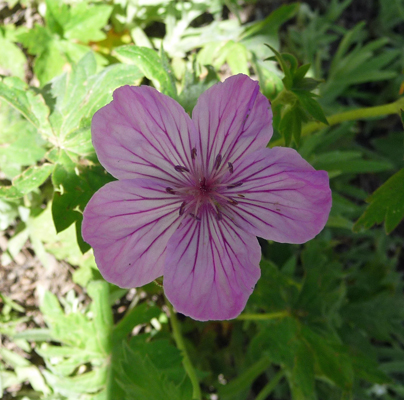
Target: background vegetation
point(326, 318)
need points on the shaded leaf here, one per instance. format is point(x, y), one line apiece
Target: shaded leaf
point(148, 61)
point(386, 204)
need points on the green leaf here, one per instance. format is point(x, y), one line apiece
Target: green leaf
point(166, 357)
point(140, 314)
point(73, 189)
point(36, 39)
point(148, 61)
point(332, 359)
point(291, 125)
point(288, 79)
point(80, 94)
point(145, 382)
point(31, 106)
point(85, 22)
point(271, 24)
point(50, 62)
point(32, 178)
point(245, 379)
point(12, 59)
point(102, 314)
point(32, 374)
point(57, 15)
point(237, 59)
point(301, 379)
point(386, 203)
point(311, 105)
point(73, 387)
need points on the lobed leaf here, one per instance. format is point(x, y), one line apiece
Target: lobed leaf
point(386, 204)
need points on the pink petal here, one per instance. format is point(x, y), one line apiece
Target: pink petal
point(128, 223)
point(211, 268)
point(143, 133)
point(233, 118)
point(286, 199)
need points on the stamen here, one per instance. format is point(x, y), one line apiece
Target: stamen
point(194, 216)
point(241, 195)
point(170, 190)
point(180, 168)
point(182, 208)
point(218, 161)
point(219, 215)
point(232, 201)
point(230, 167)
point(233, 185)
point(194, 153)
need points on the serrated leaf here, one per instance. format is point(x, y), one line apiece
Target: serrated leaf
point(288, 79)
point(50, 62)
point(332, 358)
point(148, 61)
point(311, 105)
point(32, 374)
point(72, 387)
point(145, 382)
point(80, 94)
point(74, 188)
point(32, 178)
point(301, 73)
point(31, 106)
point(86, 21)
point(386, 204)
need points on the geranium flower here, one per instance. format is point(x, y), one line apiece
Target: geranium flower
point(193, 194)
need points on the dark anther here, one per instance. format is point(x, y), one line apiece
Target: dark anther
point(182, 208)
point(219, 215)
point(230, 167)
point(170, 190)
point(202, 185)
point(180, 168)
point(241, 195)
point(233, 185)
point(232, 201)
point(194, 216)
point(194, 153)
point(218, 161)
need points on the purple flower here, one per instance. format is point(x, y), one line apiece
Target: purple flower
point(192, 195)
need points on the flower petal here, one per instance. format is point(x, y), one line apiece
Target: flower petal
point(286, 199)
point(143, 133)
point(128, 223)
point(211, 268)
point(233, 119)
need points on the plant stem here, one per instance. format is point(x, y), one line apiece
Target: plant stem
point(270, 386)
point(352, 115)
point(186, 361)
point(274, 315)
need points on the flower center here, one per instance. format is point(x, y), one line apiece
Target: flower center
point(209, 191)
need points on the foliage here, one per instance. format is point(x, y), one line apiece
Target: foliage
point(326, 318)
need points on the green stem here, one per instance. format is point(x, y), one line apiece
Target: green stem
point(270, 386)
point(352, 115)
point(179, 340)
point(274, 315)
